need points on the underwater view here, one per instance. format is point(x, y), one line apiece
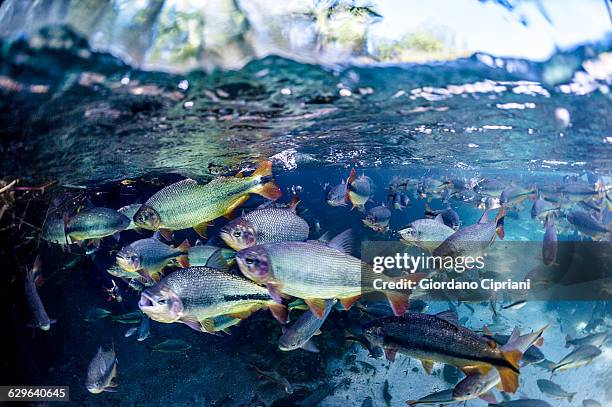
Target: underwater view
point(266, 203)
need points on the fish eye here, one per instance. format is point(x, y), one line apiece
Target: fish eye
point(161, 301)
point(249, 260)
point(237, 233)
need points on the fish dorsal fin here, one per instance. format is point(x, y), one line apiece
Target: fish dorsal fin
point(317, 306)
point(514, 335)
point(485, 217)
point(343, 242)
point(324, 237)
point(439, 219)
point(217, 261)
point(157, 235)
point(449, 316)
point(294, 203)
point(427, 366)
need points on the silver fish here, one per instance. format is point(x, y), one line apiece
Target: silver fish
point(474, 239)
point(40, 319)
point(95, 223)
point(299, 333)
point(101, 372)
point(553, 390)
point(196, 295)
point(265, 225)
point(427, 234)
point(577, 358)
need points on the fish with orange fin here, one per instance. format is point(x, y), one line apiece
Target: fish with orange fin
point(316, 272)
point(149, 256)
point(206, 299)
point(187, 203)
point(440, 338)
point(359, 190)
point(473, 240)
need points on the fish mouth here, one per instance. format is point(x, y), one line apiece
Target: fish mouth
point(145, 301)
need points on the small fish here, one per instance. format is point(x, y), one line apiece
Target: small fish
point(586, 224)
point(577, 358)
point(490, 187)
point(102, 371)
point(187, 203)
point(515, 305)
point(95, 313)
point(265, 225)
point(549, 244)
point(399, 201)
point(473, 240)
point(553, 390)
point(448, 216)
point(148, 257)
point(144, 329)
point(276, 378)
point(597, 339)
point(359, 189)
point(541, 209)
point(514, 195)
point(477, 385)
point(427, 234)
point(336, 196)
point(94, 223)
point(299, 334)
point(40, 319)
point(171, 346)
point(435, 399)
point(440, 338)
point(129, 211)
point(377, 218)
point(590, 403)
point(133, 317)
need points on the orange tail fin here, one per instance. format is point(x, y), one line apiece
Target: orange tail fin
point(263, 170)
point(510, 376)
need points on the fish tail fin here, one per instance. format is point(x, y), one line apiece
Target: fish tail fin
point(400, 300)
point(268, 190)
point(264, 169)
point(295, 200)
point(571, 397)
point(279, 312)
point(352, 177)
point(183, 247)
point(499, 222)
point(510, 375)
point(567, 341)
point(267, 187)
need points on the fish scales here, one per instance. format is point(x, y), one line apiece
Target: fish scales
point(201, 288)
point(324, 272)
point(414, 333)
point(186, 203)
point(277, 225)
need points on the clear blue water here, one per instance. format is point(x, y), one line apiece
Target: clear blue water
point(116, 135)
